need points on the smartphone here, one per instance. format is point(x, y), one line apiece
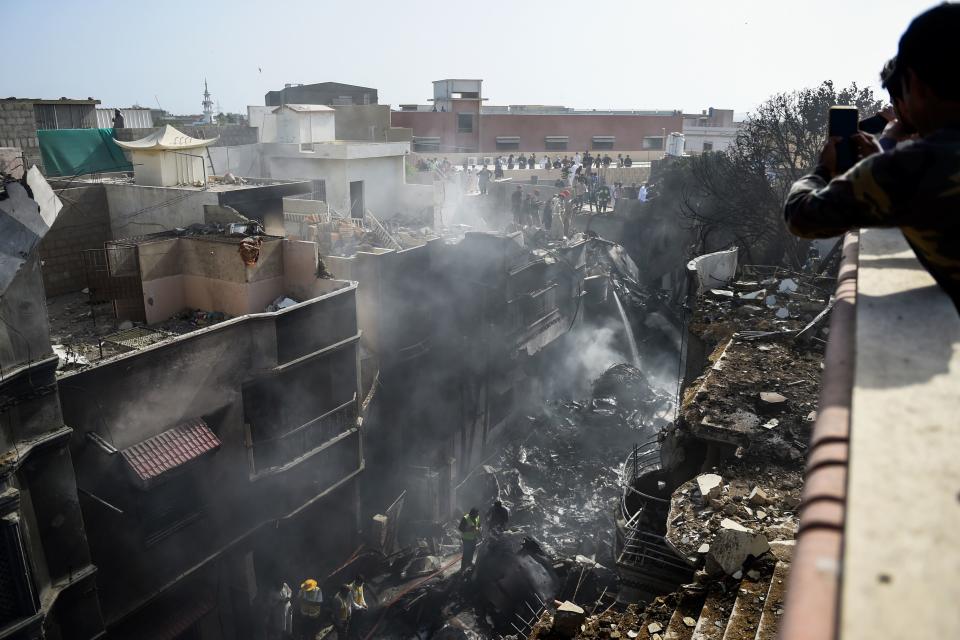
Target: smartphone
point(843, 123)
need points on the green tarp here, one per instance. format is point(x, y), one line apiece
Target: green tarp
point(75, 152)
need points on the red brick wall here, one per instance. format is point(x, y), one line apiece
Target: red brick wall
point(629, 130)
point(533, 129)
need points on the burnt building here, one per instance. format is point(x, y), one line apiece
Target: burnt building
point(456, 331)
point(217, 463)
point(328, 93)
point(47, 579)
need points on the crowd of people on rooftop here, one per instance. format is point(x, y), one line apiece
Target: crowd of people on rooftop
point(522, 161)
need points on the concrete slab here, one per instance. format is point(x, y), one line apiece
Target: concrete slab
point(901, 558)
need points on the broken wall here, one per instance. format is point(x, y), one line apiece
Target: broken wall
point(83, 223)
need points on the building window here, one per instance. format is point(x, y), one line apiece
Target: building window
point(464, 123)
point(306, 147)
point(653, 142)
point(603, 143)
point(17, 598)
point(64, 116)
point(556, 143)
point(426, 145)
point(707, 146)
point(508, 143)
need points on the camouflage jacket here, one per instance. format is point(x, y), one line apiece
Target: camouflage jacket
point(915, 186)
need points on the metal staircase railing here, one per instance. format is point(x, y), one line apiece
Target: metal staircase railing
point(381, 233)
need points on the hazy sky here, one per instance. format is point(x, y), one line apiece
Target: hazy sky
point(669, 54)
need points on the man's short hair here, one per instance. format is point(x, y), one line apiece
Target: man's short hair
point(890, 79)
point(931, 48)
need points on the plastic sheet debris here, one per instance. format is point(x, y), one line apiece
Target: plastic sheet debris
point(714, 269)
point(281, 303)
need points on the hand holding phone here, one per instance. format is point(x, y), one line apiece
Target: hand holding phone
point(843, 124)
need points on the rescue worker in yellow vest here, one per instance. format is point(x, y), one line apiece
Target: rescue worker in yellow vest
point(356, 591)
point(342, 611)
point(469, 533)
point(310, 604)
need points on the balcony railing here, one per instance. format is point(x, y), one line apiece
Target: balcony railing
point(272, 455)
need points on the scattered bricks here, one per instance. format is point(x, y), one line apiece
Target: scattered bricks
point(758, 497)
point(782, 550)
point(734, 544)
point(772, 402)
point(709, 485)
point(568, 620)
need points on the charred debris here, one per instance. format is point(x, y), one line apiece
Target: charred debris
point(638, 508)
point(651, 467)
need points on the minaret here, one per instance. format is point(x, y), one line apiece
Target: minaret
point(207, 104)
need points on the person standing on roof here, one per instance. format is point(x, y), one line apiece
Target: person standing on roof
point(470, 530)
point(484, 180)
point(516, 205)
point(603, 197)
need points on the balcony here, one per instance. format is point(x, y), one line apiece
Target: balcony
point(881, 506)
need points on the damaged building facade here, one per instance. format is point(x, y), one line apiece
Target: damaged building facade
point(207, 455)
point(453, 330)
point(47, 575)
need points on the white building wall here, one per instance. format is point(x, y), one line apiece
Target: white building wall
point(383, 181)
point(720, 137)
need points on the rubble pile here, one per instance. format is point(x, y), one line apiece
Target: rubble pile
point(764, 299)
point(75, 329)
point(761, 499)
point(559, 483)
point(192, 319)
point(758, 394)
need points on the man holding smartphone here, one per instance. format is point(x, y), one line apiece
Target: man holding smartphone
point(915, 185)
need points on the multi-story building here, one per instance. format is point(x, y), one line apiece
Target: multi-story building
point(218, 463)
point(459, 122)
point(47, 580)
point(456, 331)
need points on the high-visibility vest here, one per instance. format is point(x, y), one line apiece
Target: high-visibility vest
point(343, 607)
point(357, 594)
point(473, 527)
point(311, 602)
